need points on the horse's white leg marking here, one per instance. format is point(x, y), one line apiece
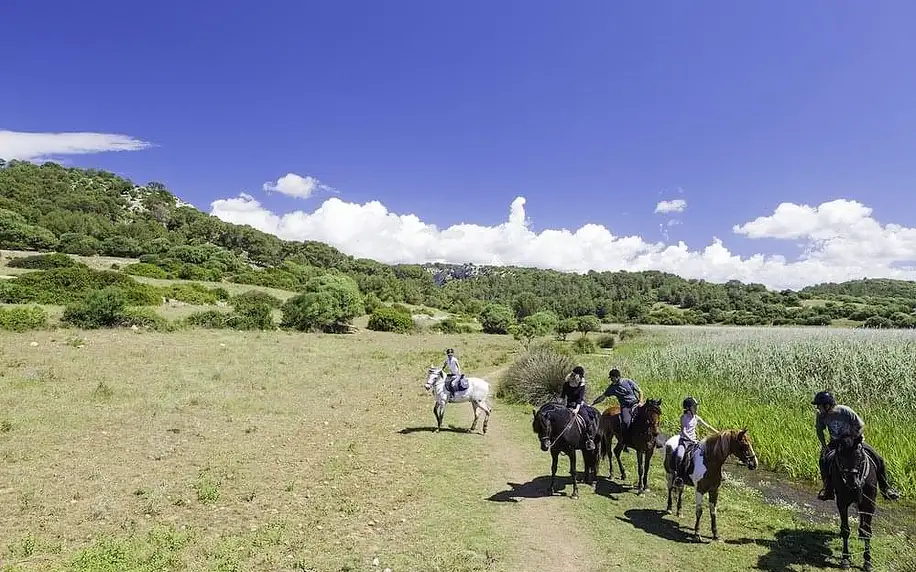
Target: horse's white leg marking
point(474, 406)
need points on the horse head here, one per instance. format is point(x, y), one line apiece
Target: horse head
point(649, 415)
point(434, 374)
point(541, 425)
point(742, 448)
point(850, 458)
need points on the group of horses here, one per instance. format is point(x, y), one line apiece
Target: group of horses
point(560, 430)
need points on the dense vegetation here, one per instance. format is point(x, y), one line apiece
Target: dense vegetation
point(89, 212)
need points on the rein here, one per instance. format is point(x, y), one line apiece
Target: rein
point(574, 419)
point(861, 471)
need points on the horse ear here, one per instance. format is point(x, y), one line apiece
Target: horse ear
point(742, 433)
point(533, 412)
point(659, 401)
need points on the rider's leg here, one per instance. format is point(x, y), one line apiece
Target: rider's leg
point(826, 493)
point(626, 417)
point(591, 429)
point(888, 491)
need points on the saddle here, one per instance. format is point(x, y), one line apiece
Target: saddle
point(684, 464)
point(455, 385)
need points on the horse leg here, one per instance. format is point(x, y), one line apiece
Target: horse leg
point(553, 468)
point(713, 499)
point(436, 412)
point(866, 511)
point(843, 507)
point(680, 497)
point(617, 448)
point(486, 415)
point(476, 415)
point(572, 471)
point(670, 480)
point(639, 456)
point(696, 526)
point(647, 458)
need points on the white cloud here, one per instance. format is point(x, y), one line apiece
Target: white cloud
point(673, 206)
point(37, 147)
point(866, 248)
point(294, 185)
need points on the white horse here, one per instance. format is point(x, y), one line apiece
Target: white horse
point(477, 393)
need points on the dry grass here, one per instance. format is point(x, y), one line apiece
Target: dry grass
point(223, 450)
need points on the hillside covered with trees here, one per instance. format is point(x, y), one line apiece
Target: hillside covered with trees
point(88, 212)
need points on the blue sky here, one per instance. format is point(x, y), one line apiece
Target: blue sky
point(593, 111)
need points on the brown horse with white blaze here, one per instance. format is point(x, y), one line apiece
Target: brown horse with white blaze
point(705, 469)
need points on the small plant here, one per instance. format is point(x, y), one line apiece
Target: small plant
point(23, 319)
point(102, 391)
point(207, 487)
point(5, 426)
point(584, 345)
point(607, 341)
point(391, 319)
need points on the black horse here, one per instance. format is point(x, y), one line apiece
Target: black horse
point(562, 431)
point(855, 480)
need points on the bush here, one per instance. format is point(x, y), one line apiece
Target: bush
point(144, 317)
point(145, 269)
point(196, 294)
point(44, 262)
point(68, 285)
point(607, 341)
point(390, 319)
point(584, 345)
point(253, 316)
point(23, 319)
point(496, 319)
point(209, 319)
point(537, 377)
point(254, 298)
point(328, 304)
point(452, 326)
point(100, 309)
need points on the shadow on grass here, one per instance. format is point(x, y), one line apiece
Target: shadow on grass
point(539, 488)
point(654, 522)
point(608, 488)
point(449, 429)
point(795, 547)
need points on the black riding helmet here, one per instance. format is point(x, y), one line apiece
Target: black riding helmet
point(690, 402)
point(823, 398)
point(449, 352)
point(579, 370)
point(614, 373)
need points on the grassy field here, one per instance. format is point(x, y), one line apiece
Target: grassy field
point(212, 450)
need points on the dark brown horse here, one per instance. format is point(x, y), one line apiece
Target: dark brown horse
point(855, 480)
point(705, 469)
point(641, 436)
point(561, 431)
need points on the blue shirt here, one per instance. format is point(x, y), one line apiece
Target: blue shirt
point(624, 391)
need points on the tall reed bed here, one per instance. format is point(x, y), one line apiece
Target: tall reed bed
point(764, 379)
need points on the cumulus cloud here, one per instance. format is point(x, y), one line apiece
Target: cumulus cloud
point(863, 247)
point(37, 147)
point(672, 206)
point(294, 185)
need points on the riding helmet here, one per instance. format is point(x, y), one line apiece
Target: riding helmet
point(690, 402)
point(449, 351)
point(823, 398)
point(579, 370)
point(614, 373)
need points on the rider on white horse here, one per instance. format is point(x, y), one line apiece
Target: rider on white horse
point(451, 365)
point(688, 436)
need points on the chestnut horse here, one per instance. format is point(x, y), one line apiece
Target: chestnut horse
point(705, 469)
point(642, 436)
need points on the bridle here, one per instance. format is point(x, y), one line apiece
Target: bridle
point(440, 375)
point(545, 423)
point(859, 472)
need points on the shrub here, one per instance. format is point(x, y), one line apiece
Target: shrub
point(328, 304)
point(566, 327)
point(145, 317)
point(452, 326)
point(44, 262)
point(588, 324)
point(584, 345)
point(254, 298)
point(536, 377)
point(253, 316)
point(390, 319)
point(496, 319)
point(100, 309)
point(68, 285)
point(145, 269)
point(209, 319)
point(607, 341)
point(23, 319)
point(196, 294)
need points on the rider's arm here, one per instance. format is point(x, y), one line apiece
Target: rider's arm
point(819, 426)
point(636, 390)
point(601, 397)
point(705, 424)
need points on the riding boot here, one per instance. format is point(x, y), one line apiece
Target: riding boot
point(887, 491)
point(591, 429)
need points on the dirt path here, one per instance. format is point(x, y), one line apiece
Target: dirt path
point(545, 534)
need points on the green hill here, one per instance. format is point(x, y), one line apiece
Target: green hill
point(93, 213)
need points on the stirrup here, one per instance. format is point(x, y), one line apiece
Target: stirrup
point(826, 495)
point(890, 493)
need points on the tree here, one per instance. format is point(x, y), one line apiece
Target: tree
point(496, 319)
point(566, 327)
point(588, 324)
point(328, 303)
point(533, 326)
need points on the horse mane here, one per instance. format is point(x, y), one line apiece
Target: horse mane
point(718, 445)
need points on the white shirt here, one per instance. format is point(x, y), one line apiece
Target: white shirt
point(451, 363)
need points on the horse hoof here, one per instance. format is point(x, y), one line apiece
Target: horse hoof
point(867, 567)
point(844, 564)
point(668, 511)
point(715, 537)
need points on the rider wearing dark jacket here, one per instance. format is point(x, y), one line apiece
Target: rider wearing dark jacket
point(841, 421)
point(574, 393)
